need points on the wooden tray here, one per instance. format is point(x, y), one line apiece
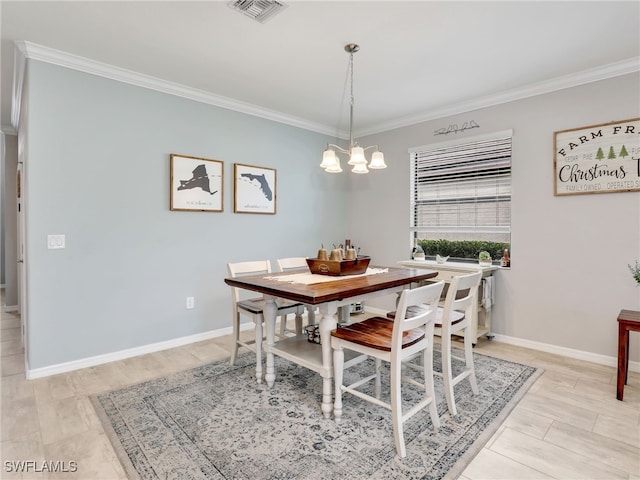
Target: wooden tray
point(338, 268)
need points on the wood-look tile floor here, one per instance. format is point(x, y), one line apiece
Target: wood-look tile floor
point(568, 426)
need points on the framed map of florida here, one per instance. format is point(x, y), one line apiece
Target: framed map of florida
point(254, 189)
point(196, 184)
point(598, 159)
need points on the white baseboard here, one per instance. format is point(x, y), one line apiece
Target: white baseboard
point(10, 308)
point(565, 352)
point(128, 353)
point(178, 342)
point(548, 348)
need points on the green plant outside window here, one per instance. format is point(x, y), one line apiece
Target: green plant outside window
point(463, 249)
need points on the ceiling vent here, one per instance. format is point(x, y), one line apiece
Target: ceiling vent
point(259, 10)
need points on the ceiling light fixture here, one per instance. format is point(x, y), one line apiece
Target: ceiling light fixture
point(330, 160)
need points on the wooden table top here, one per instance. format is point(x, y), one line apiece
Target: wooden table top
point(629, 316)
point(340, 289)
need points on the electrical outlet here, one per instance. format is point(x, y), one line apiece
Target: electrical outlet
point(55, 241)
point(190, 303)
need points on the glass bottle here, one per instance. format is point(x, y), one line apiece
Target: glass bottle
point(505, 261)
point(418, 252)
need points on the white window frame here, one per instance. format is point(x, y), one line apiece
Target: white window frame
point(426, 149)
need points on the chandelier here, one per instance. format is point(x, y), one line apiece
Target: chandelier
point(330, 160)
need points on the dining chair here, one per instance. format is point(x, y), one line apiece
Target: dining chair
point(254, 308)
point(392, 341)
point(297, 263)
point(456, 315)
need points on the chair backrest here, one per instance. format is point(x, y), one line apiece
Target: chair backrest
point(246, 268)
point(407, 318)
point(461, 296)
point(291, 263)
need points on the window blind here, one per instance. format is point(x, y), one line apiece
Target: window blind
point(463, 187)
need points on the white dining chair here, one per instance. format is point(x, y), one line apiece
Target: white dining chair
point(392, 341)
point(457, 315)
point(254, 308)
point(297, 263)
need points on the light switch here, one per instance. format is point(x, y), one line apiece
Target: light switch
point(55, 241)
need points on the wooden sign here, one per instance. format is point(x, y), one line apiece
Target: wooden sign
point(598, 159)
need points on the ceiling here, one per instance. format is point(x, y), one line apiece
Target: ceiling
point(417, 59)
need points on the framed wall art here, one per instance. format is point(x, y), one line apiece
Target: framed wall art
point(196, 184)
point(597, 159)
point(254, 189)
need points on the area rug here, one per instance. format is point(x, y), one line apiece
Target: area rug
point(216, 422)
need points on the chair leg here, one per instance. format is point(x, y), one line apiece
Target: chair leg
point(259, 350)
point(298, 319)
point(283, 325)
point(447, 374)
point(468, 357)
point(377, 387)
point(235, 336)
point(311, 314)
point(427, 362)
point(338, 373)
point(396, 409)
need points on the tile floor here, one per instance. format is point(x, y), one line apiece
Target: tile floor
point(568, 426)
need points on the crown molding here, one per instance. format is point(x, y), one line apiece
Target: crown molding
point(56, 57)
point(27, 50)
point(630, 65)
point(19, 68)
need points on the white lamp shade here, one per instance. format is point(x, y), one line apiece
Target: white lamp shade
point(361, 168)
point(329, 158)
point(357, 156)
point(377, 160)
point(335, 168)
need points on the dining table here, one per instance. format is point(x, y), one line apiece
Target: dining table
point(328, 294)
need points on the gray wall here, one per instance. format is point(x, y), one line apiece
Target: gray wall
point(97, 170)
point(569, 276)
point(9, 232)
point(2, 207)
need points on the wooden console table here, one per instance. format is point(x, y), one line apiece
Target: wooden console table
point(627, 320)
point(481, 324)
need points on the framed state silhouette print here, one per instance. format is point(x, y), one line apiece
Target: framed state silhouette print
point(254, 189)
point(196, 184)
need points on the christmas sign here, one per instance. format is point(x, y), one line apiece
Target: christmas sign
point(598, 159)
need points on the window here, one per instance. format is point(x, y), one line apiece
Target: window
point(462, 190)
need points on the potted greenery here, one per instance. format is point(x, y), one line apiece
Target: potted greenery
point(484, 258)
point(635, 271)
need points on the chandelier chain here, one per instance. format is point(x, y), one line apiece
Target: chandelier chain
point(356, 153)
point(351, 103)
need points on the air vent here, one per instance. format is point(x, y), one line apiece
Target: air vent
point(259, 10)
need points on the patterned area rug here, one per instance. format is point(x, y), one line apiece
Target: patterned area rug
point(215, 422)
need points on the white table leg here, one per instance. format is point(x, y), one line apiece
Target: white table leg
point(258, 339)
point(270, 311)
point(328, 322)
